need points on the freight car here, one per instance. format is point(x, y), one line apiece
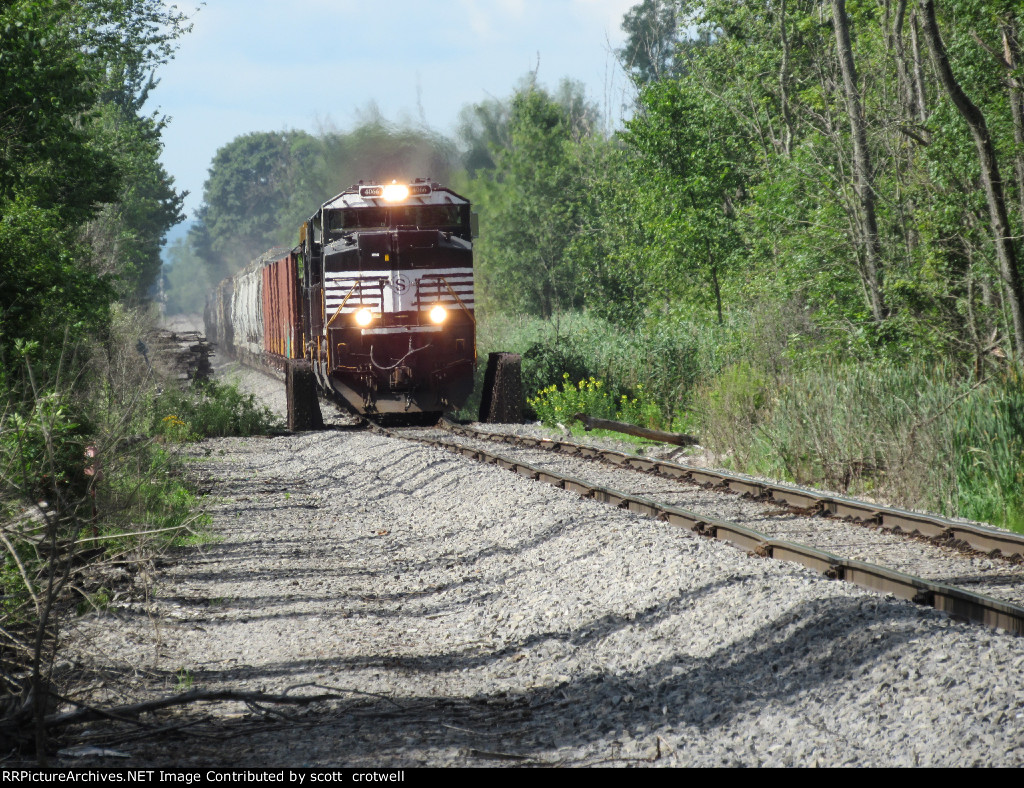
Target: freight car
point(376, 299)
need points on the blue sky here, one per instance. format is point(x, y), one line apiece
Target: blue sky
point(266, 65)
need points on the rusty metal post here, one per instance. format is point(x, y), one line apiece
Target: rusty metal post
point(502, 397)
point(300, 392)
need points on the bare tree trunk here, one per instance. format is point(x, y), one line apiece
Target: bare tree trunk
point(994, 195)
point(715, 284)
point(861, 165)
point(908, 98)
point(920, 102)
point(787, 117)
point(1011, 52)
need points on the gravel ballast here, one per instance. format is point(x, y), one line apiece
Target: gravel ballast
point(468, 616)
point(973, 571)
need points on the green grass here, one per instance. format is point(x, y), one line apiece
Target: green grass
point(664, 358)
point(210, 410)
point(770, 396)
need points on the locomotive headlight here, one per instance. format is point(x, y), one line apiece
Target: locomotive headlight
point(438, 313)
point(364, 317)
point(396, 192)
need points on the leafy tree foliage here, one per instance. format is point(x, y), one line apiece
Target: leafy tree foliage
point(774, 76)
point(251, 180)
point(263, 185)
point(127, 234)
point(533, 201)
point(51, 177)
point(84, 203)
point(790, 151)
point(48, 87)
point(689, 155)
point(652, 35)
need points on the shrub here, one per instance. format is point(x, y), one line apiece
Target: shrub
point(591, 397)
point(208, 410)
point(544, 363)
point(666, 358)
point(556, 405)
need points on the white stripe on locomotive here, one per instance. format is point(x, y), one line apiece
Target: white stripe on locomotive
point(365, 289)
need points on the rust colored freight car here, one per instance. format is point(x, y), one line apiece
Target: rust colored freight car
point(282, 318)
point(377, 299)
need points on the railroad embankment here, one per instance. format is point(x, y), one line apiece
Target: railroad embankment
point(458, 614)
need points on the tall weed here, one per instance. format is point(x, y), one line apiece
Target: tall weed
point(988, 442)
point(665, 358)
point(915, 436)
point(209, 410)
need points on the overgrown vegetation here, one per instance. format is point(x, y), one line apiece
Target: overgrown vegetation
point(762, 402)
point(805, 245)
point(557, 405)
point(209, 409)
point(90, 489)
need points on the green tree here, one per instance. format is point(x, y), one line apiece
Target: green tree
point(48, 90)
point(652, 37)
point(76, 151)
point(616, 244)
point(531, 203)
point(252, 179)
point(923, 272)
point(128, 233)
point(52, 177)
point(691, 157)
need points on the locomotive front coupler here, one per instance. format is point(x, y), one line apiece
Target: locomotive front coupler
point(401, 378)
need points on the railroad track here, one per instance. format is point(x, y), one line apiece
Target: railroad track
point(972, 572)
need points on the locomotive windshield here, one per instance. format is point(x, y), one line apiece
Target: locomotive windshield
point(440, 217)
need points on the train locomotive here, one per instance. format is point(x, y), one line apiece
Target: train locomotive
point(377, 298)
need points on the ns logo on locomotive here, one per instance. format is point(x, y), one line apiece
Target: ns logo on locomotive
point(377, 297)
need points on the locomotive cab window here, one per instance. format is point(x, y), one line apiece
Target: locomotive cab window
point(440, 217)
point(450, 218)
point(349, 220)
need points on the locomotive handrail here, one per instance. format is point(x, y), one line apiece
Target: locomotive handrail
point(457, 299)
point(341, 305)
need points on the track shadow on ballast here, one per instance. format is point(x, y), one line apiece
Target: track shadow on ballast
point(822, 643)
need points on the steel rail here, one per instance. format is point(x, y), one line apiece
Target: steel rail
point(991, 541)
point(959, 603)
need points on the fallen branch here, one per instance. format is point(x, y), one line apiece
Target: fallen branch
point(127, 712)
point(677, 438)
point(129, 534)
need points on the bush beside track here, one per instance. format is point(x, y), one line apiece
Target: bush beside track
point(768, 397)
point(91, 491)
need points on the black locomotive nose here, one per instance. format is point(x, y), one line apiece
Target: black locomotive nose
point(354, 299)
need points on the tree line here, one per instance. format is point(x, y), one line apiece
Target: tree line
point(84, 200)
point(863, 162)
point(803, 245)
